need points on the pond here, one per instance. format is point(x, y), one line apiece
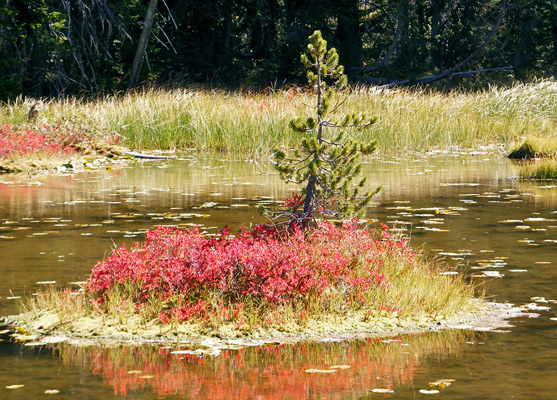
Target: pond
point(463, 208)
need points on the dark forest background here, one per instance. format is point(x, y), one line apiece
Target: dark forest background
point(54, 47)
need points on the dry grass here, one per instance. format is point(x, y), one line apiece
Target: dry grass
point(253, 123)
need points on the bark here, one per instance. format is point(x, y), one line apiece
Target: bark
point(348, 35)
point(436, 8)
point(523, 51)
point(393, 46)
point(142, 45)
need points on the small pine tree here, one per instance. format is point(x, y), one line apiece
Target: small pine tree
point(326, 166)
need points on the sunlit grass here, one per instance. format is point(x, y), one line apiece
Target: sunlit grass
point(544, 169)
point(536, 147)
point(253, 123)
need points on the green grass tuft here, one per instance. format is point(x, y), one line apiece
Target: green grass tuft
point(545, 169)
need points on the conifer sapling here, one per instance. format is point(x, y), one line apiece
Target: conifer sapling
point(327, 166)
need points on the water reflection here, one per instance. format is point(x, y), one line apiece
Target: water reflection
point(266, 372)
point(466, 210)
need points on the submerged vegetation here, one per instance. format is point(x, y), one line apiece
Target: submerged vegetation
point(261, 282)
point(254, 123)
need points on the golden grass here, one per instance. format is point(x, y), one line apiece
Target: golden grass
point(544, 169)
point(253, 123)
point(536, 147)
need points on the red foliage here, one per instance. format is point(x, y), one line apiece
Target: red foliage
point(262, 263)
point(48, 138)
point(293, 202)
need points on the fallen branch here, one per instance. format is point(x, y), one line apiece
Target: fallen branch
point(387, 83)
point(148, 156)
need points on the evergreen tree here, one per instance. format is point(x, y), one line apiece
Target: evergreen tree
point(327, 166)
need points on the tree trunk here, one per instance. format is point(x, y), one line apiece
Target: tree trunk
point(434, 52)
point(348, 35)
point(142, 45)
point(393, 46)
point(523, 51)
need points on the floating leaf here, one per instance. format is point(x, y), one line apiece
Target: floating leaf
point(539, 299)
point(51, 391)
point(377, 390)
point(534, 306)
point(339, 366)
point(135, 372)
point(423, 391)
point(441, 383)
point(14, 386)
point(320, 371)
point(146, 376)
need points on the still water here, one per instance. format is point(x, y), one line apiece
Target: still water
point(464, 209)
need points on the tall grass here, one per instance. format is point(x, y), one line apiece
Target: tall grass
point(253, 123)
point(544, 169)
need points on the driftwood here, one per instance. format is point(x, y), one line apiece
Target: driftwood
point(387, 83)
point(148, 156)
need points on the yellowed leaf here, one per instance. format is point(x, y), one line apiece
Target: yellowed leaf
point(14, 386)
point(320, 371)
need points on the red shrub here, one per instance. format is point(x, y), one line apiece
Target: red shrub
point(48, 138)
point(263, 264)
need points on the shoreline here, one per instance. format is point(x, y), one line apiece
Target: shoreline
point(35, 332)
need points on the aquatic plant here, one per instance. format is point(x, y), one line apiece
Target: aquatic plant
point(544, 169)
point(536, 147)
point(326, 165)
